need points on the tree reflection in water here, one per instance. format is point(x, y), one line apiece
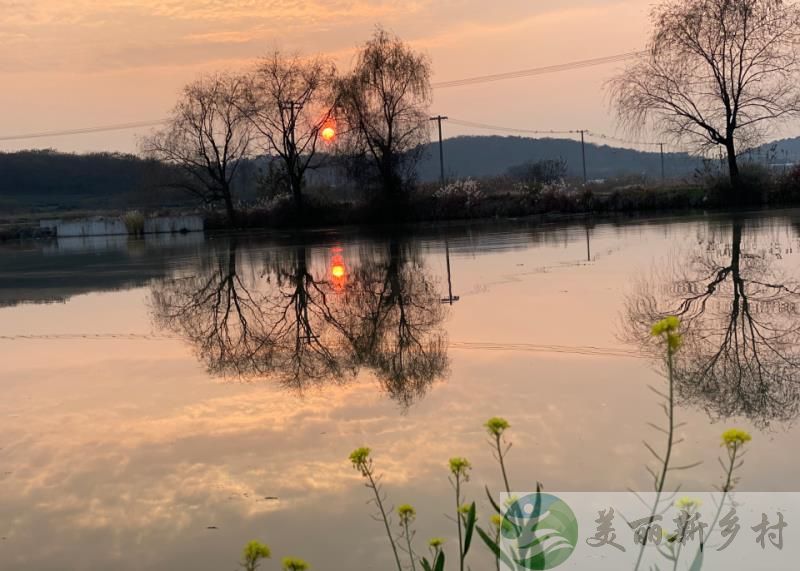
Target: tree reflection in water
point(740, 312)
point(394, 318)
point(273, 316)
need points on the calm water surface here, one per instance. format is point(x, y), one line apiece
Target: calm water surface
point(165, 401)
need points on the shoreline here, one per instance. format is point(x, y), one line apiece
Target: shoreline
point(29, 231)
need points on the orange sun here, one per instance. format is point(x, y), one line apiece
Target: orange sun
point(328, 134)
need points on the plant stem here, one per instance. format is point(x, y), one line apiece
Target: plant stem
point(502, 463)
point(725, 489)
point(458, 520)
point(670, 438)
point(680, 547)
point(497, 542)
point(408, 542)
point(378, 501)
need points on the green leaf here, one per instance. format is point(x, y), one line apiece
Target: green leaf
point(494, 548)
point(470, 528)
point(439, 562)
point(491, 501)
point(490, 543)
point(425, 565)
point(697, 564)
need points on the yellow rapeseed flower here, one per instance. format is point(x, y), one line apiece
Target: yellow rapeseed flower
point(497, 521)
point(360, 456)
point(460, 467)
point(687, 503)
point(496, 426)
point(294, 564)
point(669, 328)
point(256, 550)
point(667, 325)
point(734, 437)
point(436, 542)
point(406, 512)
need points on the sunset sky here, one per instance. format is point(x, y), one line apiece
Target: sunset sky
point(68, 64)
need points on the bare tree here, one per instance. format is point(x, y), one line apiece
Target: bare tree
point(384, 102)
point(207, 136)
point(716, 73)
point(290, 102)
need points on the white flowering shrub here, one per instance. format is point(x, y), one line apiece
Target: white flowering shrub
point(465, 191)
point(275, 202)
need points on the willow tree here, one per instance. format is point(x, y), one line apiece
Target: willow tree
point(717, 73)
point(384, 102)
point(207, 136)
point(290, 102)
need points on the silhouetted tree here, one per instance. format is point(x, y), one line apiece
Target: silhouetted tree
point(290, 102)
point(394, 321)
point(716, 72)
point(741, 353)
point(384, 102)
point(277, 322)
point(216, 311)
point(207, 136)
point(271, 317)
point(309, 338)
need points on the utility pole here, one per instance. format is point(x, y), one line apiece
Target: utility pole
point(588, 245)
point(439, 119)
point(450, 299)
point(663, 178)
point(290, 145)
point(292, 107)
point(583, 154)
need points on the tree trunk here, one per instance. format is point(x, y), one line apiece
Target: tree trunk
point(390, 178)
point(296, 183)
point(229, 209)
point(733, 166)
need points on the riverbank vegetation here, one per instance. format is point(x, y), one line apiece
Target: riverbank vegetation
point(508, 196)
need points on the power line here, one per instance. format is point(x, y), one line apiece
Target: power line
point(619, 140)
point(501, 128)
point(538, 70)
point(83, 130)
point(489, 127)
point(439, 85)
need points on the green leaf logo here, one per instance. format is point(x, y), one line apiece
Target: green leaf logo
point(539, 532)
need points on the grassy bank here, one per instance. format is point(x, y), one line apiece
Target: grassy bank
point(505, 198)
point(494, 198)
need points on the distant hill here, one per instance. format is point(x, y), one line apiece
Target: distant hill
point(782, 151)
point(47, 180)
point(491, 156)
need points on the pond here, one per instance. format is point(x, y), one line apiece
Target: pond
point(164, 402)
